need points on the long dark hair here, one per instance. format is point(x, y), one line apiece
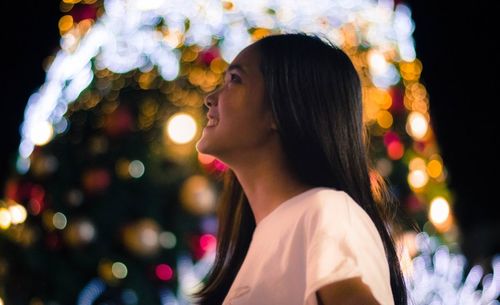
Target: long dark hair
point(314, 92)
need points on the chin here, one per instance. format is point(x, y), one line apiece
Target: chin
point(201, 147)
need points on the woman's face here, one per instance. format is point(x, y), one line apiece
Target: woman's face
point(242, 121)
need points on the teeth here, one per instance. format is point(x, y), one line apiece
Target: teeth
point(212, 122)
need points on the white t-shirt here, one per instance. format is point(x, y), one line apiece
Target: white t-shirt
point(312, 239)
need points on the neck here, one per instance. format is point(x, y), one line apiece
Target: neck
point(267, 182)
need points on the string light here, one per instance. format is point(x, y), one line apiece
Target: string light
point(70, 72)
point(144, 45)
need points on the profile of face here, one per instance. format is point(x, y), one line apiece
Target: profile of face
point(240, 123)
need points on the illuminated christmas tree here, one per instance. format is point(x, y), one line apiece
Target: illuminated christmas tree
point(111, 203)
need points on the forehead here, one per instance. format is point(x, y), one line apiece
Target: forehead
point(248, 59)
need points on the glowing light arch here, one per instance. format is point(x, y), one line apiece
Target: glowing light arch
point(126, 37)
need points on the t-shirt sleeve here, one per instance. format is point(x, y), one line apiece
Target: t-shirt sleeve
point(339, 236)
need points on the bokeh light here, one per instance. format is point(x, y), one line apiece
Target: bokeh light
point(42, 134)
point(417, 125)
point(395, 150)
point(384, 119)
point(5, 218)
point(59, 220)
point(181, 128)
point(439, 210)
point(417, 178)
point(435, 168)
point(18, 213)
point(119, 270)
point(136, 169)
point(167, 240)
point(208, 242)
point(164, 272)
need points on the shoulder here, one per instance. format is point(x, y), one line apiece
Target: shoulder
point(335, 213)
point(326, 212)
point(329, 203)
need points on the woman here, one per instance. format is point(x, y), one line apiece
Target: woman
point(298, 219)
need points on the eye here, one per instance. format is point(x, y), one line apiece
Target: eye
point(233, 77)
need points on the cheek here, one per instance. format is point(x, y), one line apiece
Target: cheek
point(244, 129)
point(242, 112)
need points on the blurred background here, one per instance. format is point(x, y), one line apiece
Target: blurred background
point(105, 201)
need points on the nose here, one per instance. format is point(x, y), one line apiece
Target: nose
point(210, 100)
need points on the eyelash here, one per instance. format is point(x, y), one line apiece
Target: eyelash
point(231, 77)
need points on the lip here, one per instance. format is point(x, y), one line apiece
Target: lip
point(210, 127)
point(211, 117)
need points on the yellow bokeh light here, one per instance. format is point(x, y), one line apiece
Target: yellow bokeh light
point(411, 70)
point(417, 164)
point(122, 168)
point(218, 65)
point(417, 125)
point(190, 54)
point(105, 270)
point(18, 213)
point(381, 97)
point(65, 7)
point(65, 23)
point(85, 25)
point(42, 134)
point(417, 91)
point(418, 178)
point(47, 219)
point(435, 168)
point(370, 107)
point(384, 119)
point(173, 37)
point(196, 75)
point(5, 219)
point(377, 61)
point(439, 210)
point(260, 33)
point(181, 128)
point(228, 5)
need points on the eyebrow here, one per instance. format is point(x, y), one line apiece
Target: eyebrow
point(236, 67)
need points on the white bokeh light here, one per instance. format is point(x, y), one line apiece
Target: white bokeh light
point(181, 128)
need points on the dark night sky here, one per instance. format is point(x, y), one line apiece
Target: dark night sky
point(453, 40)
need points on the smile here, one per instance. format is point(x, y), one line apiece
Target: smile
point(212, 122)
